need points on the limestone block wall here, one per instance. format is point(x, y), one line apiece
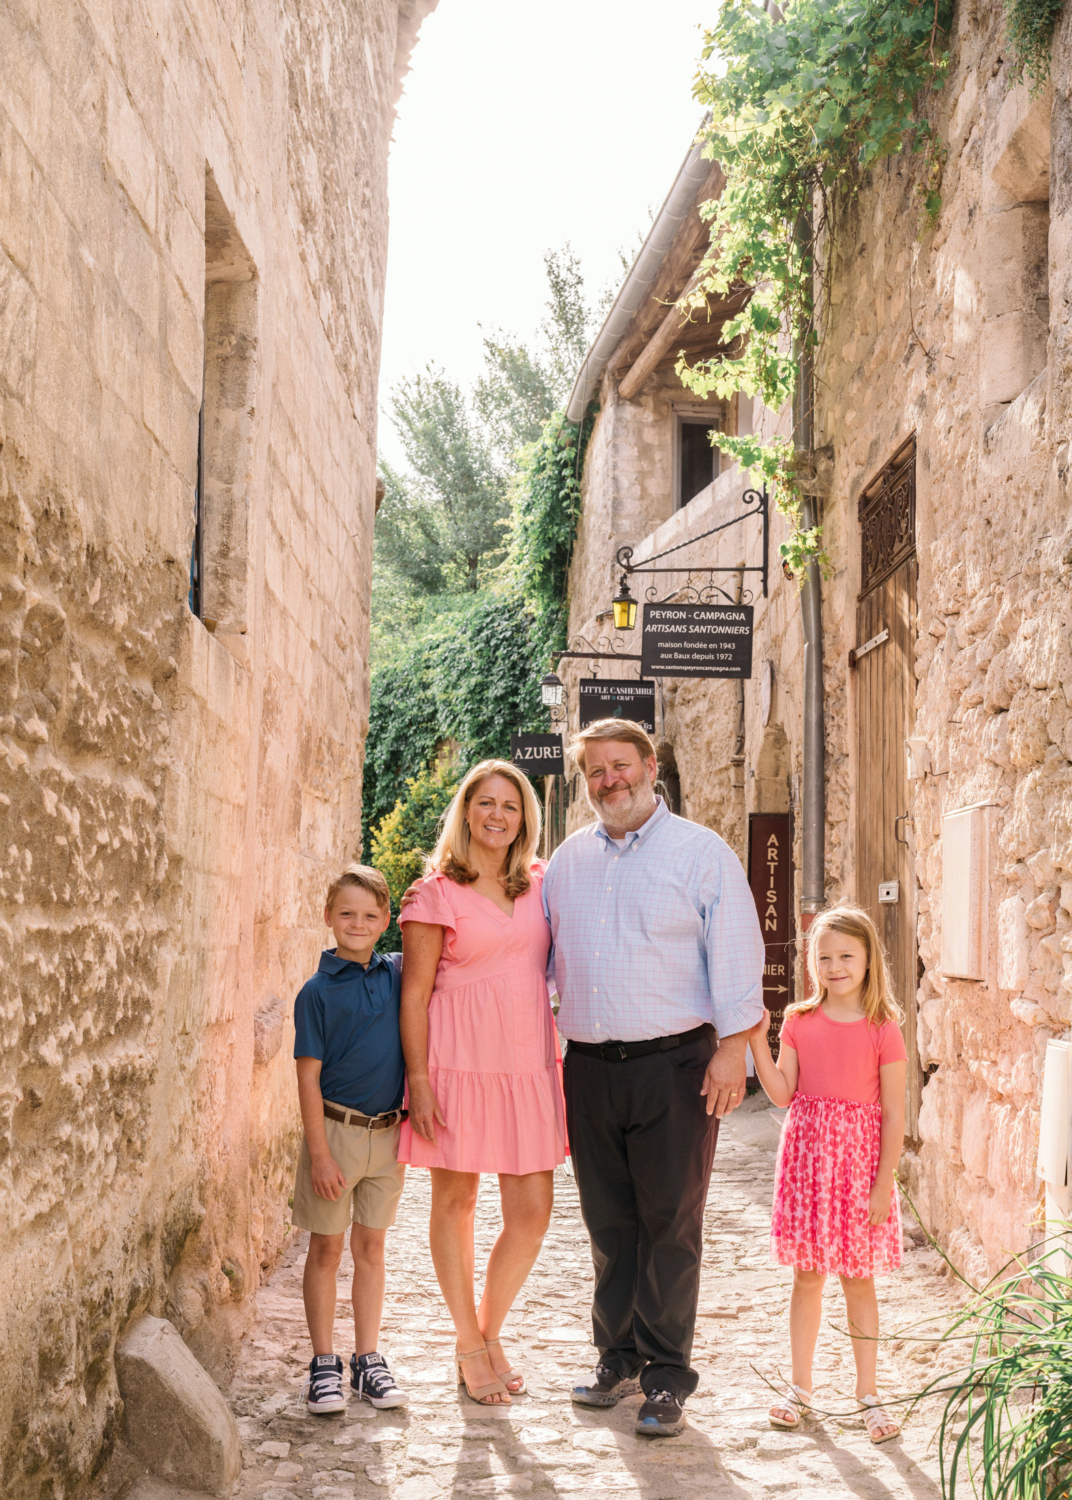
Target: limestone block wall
point(960, 337)
point(187, 197)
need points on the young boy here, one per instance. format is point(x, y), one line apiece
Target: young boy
point(348, 1054)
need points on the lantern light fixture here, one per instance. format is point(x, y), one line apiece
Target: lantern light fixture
point(551, 690)
point(624, 606)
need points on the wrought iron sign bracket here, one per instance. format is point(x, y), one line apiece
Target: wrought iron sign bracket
point(758, 503)
point(593, 653)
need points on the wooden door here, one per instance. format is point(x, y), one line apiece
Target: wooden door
point(885, 659)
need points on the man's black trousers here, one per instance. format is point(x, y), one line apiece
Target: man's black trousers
point(642, 1145)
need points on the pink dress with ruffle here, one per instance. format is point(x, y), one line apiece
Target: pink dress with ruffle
point(829, 1151)
point(493, 1058)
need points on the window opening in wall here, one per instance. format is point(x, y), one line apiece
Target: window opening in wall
point(698, 458)
point(220, 559)
point(197, 550)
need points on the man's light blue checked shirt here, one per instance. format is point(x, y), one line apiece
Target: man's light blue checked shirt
point(653, 939)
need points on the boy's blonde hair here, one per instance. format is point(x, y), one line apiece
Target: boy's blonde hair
point(450, 856)
point(366, 879)
point(626, 730)
point(878, 1002)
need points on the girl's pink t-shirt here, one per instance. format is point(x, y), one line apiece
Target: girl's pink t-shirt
point(841, 1059)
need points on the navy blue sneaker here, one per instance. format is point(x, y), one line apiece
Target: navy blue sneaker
point(323, 1390)
point(373, 1382)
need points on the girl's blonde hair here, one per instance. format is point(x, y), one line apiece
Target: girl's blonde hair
point(450, 856)
point(878, 1002)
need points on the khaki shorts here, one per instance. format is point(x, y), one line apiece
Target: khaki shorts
point(374, 1180)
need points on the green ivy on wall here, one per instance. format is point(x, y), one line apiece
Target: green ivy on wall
point(1029, 28)
point(807, 103)
point(547, 507)
point(407, 834)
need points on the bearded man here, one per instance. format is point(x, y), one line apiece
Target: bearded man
point(658, 960)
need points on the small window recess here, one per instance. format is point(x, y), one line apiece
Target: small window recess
point(220, 553)
point(696, 458)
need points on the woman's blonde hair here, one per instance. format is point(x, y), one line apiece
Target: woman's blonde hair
point(450, 856)
point(878, 1002)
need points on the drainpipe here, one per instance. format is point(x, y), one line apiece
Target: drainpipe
point(813, 794)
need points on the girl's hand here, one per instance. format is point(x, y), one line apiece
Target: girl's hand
point(879, 1204)
point(424, 1110)
point(761, 1028)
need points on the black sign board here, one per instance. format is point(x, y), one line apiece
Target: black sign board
point(696, 640)
point(538, 754)
point(602, 698)
point(770, 874)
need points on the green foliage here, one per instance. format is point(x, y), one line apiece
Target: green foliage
point(1029, 26)
point(451, 512)
point(547, 504)
point(805, 105)
point(408, 833)
point(1005, 1430)
point(471, 685)
point(524, 383)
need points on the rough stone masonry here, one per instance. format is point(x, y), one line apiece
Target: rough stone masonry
point(193, 218)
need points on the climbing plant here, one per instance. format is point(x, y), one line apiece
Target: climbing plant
point(1029, 28)
point(809, 100)
point(547, 504)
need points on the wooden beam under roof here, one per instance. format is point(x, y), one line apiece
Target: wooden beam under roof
point(686, 253)
point(699, 334)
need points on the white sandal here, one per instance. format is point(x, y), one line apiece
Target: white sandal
point(876, 1416)
point(798, 1401)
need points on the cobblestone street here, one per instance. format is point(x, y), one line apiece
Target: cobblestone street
point(443, 1444)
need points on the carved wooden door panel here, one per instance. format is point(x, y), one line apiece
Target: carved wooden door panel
point(885, 690)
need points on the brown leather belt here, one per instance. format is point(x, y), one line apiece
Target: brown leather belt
point(377, 1122)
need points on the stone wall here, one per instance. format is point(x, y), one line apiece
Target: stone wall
point(960, 336)
point(186, 194)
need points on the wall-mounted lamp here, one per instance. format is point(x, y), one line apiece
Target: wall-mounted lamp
point(624, 607)
point(552, 690)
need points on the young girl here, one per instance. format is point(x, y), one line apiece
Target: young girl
point(842, 1068)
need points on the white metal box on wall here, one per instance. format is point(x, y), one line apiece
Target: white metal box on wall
point(964, 893)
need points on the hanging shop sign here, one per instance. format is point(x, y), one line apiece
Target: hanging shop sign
point(696, 640)
point(602, 698)
point(770, 875)
point(538, 754)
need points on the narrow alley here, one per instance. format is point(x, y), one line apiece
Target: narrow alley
point(445, 1445)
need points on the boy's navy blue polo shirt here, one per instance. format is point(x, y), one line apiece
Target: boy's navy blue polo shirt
point(347, 1016)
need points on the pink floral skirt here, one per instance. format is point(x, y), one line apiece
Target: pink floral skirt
point(827, 1161)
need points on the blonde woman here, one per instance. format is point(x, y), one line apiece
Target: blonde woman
point(841, 1067)
point(482, 1058)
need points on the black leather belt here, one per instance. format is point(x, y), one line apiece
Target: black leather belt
point(377, 1122)
point(623, 1051)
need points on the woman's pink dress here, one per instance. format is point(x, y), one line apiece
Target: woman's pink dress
point(828, 1157)
point(493, 1058)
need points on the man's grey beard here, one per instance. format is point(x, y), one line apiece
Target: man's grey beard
point(642, 801)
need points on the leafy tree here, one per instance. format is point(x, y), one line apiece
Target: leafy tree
point(408, 833)
point(453, 510)
point(523, 384)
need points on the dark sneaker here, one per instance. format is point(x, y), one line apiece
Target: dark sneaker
point(605, 1387)
point(324, 1388)
point(662, 1415)
point(374, 1383)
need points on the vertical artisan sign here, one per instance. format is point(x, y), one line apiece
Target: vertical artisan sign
point(770, 874)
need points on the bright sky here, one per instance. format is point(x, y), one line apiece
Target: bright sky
point(522, 126)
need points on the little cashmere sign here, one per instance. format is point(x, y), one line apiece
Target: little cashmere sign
point(696, 640)
point(607, 698)
point(538, 754)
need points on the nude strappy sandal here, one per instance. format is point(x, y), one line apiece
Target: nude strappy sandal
point(482, 1392)
point(509, 1375)
point(875, 1416)
point(798, 1401)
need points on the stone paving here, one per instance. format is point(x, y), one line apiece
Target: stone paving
point(443, 1444)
